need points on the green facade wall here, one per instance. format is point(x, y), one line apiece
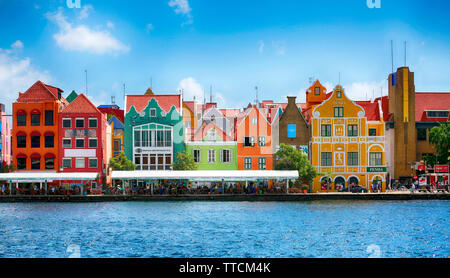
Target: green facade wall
point(205, 165)
point(173, 118)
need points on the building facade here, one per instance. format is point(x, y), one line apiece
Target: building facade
point(35, 128)
point(154, 130)
point(82, 139)
point(5, 137)
point(347, 143)
point(118, 135)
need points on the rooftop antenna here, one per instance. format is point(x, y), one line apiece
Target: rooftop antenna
point(405, 53)
point(311, 80)
point(392, 55)
point(113, 100)
point(210, 94)
point(151, 83)
point(256, 89)
point(86, 82)
point(124, 90)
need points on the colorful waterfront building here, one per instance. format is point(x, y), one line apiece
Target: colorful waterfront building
point(73, 95)
point(118, 135)
point(213, 145)
point(154, 130)
point(5, 137)
point(83, 140)
point(348, 143)
point(255, 146)
point(112, 110)
point(36, 128)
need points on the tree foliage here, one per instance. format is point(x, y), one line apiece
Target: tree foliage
point(184, 161)
point(121, 163)
point(7, 168)
point(439, 137)
point(288, 158)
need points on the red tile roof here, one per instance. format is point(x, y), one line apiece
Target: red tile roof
point(40, 91)
point(164, 101)
point(202, 131)
point(81, 104)
point(372, 109)
point(190, 105)
point(426, 101)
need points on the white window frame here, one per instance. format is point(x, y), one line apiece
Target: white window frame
point(150, 112)
point(212, 158)
point(80, 159)
point(262, 141)
point(255, 120)
point(222, 155)
point(89, 160)
point(260, 159)
point(67, 159)
point(70, 120)
point(89, 143)
point(245, 163)
point(84, 124)
point(71, 144)
point(96, 122)
point(199, 155)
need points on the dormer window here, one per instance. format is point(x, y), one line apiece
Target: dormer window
point(338, 94)
point(152, 112)
point(317, 91)
point(437, 114)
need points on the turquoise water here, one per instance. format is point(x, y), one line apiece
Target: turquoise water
point(226, 229)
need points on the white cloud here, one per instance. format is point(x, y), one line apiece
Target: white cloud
point(17, 75)
point(261, 46)
point(191, 88)
point(81, 38)
point(84, 13)
point(182, 7)
point(280, 47)
point(365, 90)
point(17, 45)
point(110, 25)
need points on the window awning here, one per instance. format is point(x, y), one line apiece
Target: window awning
point(49, 155)
point(49, 133)
point(21, 112)
point(205, 175)
point(21, 155)
point(47, 176)
point(35, 133)
point(21, 133)
point(35, 112)
point(35, 156)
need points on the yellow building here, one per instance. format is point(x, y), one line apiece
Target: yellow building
point(117, 132)
point(347, 143)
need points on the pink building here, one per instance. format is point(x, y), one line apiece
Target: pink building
point(5, 134)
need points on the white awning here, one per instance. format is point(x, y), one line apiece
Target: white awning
point(205, 175)
point(43, 176)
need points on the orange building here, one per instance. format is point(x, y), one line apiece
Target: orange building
point(254, 140)
point(35, 128)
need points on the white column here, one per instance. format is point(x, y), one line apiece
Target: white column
point(287, 186)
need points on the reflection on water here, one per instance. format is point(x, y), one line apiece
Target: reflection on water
point(226, 229)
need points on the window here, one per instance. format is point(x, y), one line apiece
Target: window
point(137, 138)
point(116, 145)
point(339, 112)
point(35, 119)
point(317, 91)
point(79, 123)
point(67, 143)
point(339, 94)
point(35, 141)
point(422, 134)
point(93, 123)
point(211, 156)
point(49, 117)
point(248, 163)
point(35, 164)
point(437, 114)
point(21, 141)
point(21, 163)
point(196, 154)
point(93, 163)
point(226, 156)
point(352, 158)
point(325, 130)
point(21, 120)
point(255, 121)
point(248, 141)
point(326, 159)
point(262, 163)
point(352, 130)
point(212, 135)
point(67, 123)
point(375, 158)
point(67, 163)
point(213, 118)
point(261, 141)
point(292, 131)
point(49, 141)
point(79, 143)
point(79, 163)
point(152, 112)
point(372, 132)
point(49, 163)
point(93, 143)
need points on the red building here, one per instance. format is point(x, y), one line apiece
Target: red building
point(112, 109)
point(82, 139)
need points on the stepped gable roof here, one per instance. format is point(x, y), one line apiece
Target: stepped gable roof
point(40, 91)
point(140, 102)
point(117, 123)
point(429, 101)
point(81, 104)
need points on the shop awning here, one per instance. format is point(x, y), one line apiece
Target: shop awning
point(46, 176)
point(205, 175)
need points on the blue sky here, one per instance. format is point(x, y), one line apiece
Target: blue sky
point(231, 45)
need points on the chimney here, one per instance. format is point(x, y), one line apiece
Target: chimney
point(291, 100)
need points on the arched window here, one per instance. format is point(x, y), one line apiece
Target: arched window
point(35, 117)
point(353, 180)
point(21, 118)
point(339, 183)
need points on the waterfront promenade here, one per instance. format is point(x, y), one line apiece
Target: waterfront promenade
point(389, 196)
